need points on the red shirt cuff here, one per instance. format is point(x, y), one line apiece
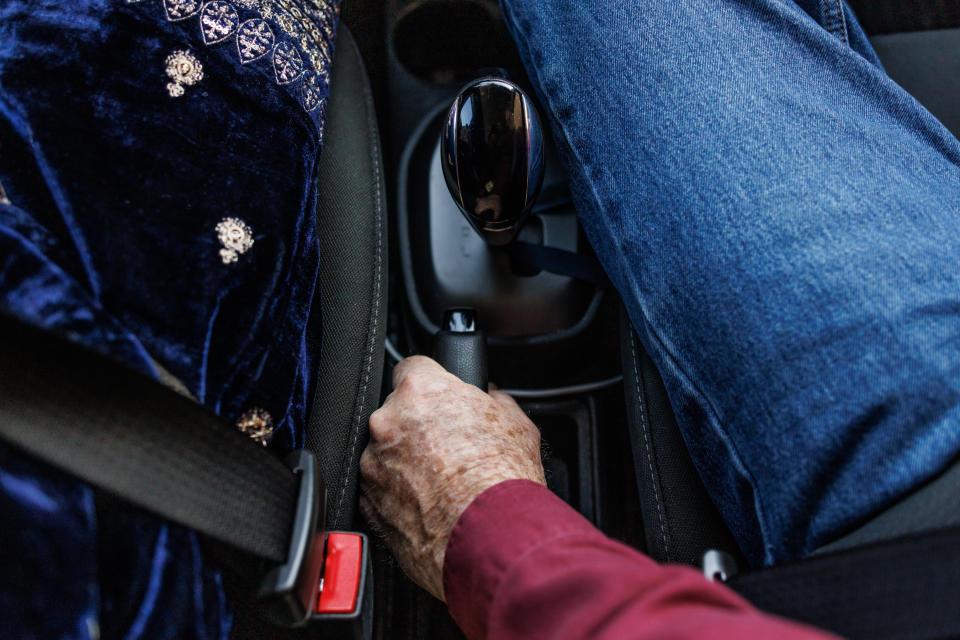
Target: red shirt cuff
point(500, 526)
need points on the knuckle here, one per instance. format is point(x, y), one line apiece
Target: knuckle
point(417, 370)
point(380, 423)
point(368, 464)
point(419, 362)
point(406, 384)
point(413, 385)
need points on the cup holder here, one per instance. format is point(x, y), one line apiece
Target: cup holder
point(447, 41)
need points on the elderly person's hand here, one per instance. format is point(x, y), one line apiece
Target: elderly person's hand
point(435, 445)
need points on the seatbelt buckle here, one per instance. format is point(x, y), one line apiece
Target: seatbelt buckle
point(287, 594)
point(345, 605)
point(327, 576)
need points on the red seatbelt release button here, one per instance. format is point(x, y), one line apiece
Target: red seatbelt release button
point(342, 574)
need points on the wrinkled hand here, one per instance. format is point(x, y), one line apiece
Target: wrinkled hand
point(435, 445)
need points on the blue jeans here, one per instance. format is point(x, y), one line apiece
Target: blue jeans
point(783, 223)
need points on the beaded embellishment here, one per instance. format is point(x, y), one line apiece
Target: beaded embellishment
point(184, 69)
point(256, 423)
point(236, 238)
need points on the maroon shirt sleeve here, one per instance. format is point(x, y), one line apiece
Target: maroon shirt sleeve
point(522, 564)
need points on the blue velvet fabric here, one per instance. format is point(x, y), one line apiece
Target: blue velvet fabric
point(135, 135)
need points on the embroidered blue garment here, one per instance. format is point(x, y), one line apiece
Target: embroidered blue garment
point(157, 193)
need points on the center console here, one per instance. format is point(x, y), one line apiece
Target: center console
point(551, 340)
point(475, 173)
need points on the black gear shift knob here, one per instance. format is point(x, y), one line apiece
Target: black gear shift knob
point(492, 157)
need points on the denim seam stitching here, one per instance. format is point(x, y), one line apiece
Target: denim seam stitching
point(645, 428)
point(841, 22)
point(709, 409)
point(834, 21)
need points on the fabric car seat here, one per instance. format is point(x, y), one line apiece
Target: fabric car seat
point(352, 230)
point(351, 224)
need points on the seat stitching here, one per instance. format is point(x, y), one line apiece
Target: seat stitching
point(644, 427)
point(377, 293)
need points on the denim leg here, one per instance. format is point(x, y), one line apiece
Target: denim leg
point(783, 222)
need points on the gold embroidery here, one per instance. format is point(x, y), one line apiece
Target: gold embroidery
point(303, 28)
point(236, 238)
point(218, 21)
point(287, 63)
point(180, 9)
point(311, 92)
point(256, 423)
point(311, 24)
point(254, 40)
point(184, 69)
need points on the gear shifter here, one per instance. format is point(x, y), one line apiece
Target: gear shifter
point(492, 157)
point(462, 348)
point(491, 152)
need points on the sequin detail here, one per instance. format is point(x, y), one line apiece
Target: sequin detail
point(185, 71)
point(287, 63)
point(218, 21)
point(311, 92)
point(236, 238)
point(254, 40)
point(313, 28)
point(256, 423)
point(180, 9)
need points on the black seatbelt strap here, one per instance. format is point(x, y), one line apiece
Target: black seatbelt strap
point(907, 588)
point(124, 433)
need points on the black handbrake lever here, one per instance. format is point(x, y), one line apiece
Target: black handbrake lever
point(461, 348)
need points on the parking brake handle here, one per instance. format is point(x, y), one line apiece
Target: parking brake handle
point(461, 348)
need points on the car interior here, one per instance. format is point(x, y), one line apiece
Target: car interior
point(562, 345)
point(508, 293)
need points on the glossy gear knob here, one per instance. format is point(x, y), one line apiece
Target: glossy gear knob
point(492, 156)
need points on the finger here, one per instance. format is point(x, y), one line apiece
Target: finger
point(369, 469)
point(412, 365)
point(371, 515)
point(381, 423)
point(504, 400)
